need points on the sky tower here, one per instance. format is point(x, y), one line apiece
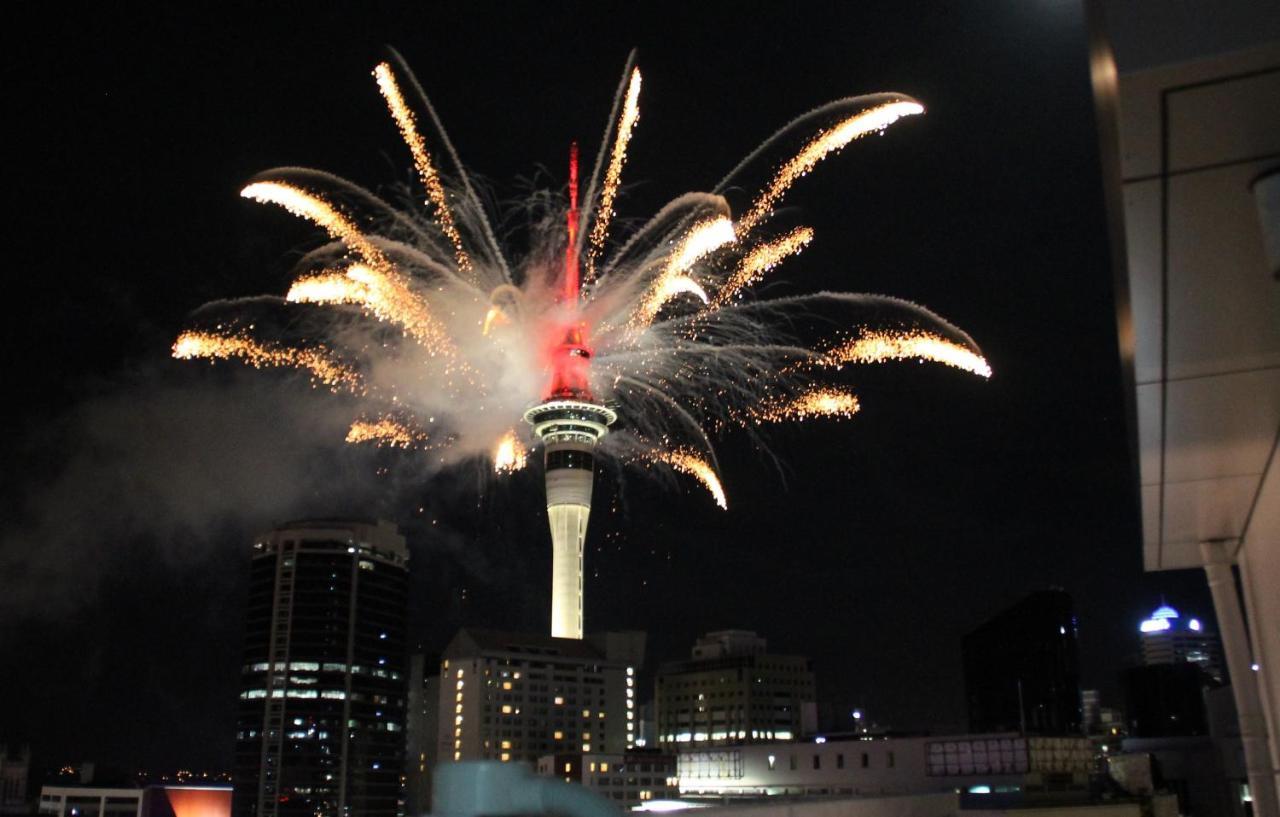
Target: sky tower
point(570, 423)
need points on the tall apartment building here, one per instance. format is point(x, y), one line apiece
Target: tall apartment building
point(1021, 671)
point(322, 703)
point(732, 691)
point(518, 696)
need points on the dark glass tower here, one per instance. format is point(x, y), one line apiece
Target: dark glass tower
point(1021, 672)
point(322, 701)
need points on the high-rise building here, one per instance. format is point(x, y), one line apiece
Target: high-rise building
point(518, 696)
point(732, 691)
point(1021, 669)
point(322, 702)
point(1168, 638)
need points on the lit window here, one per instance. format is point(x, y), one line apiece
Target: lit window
point(604, 767)
point(506, 756)
point(506, 685)
point(558, 735)
point(586, 713)
point(506, 744)
point(506, 709)
point(568, 767)
point(559, 701)
point(586, 747)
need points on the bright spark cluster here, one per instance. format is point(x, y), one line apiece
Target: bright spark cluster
point(509, 454)
point(385, 431)
point(824, 144)
point(878, 347)
point(613, 175)
point(689, 462)
point(753, 267)
point(427, 172)
point(702, 239)
point(826, 401)
point(468, 345)
point(192, 345)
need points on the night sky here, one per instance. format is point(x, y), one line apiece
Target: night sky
point(134, 483)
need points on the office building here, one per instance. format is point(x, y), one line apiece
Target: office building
point(1168, 638)
point(732, 691)
point(629, 779)
point(322, 703)
point(518, 696)
point(1021, 671)
point(422, 726)
point(1165, 700)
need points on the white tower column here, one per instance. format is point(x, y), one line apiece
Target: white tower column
point(1244, 681)
point(569, 430)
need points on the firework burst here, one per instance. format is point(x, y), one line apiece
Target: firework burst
point(420, 319)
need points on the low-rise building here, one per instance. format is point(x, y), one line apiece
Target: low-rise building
point(1002, 764)
point(629, 779)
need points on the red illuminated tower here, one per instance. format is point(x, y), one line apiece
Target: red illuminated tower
point(570, 423)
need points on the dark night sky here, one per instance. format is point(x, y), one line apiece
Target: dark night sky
point(130, 490)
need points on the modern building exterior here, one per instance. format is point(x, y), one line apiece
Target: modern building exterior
point(1021, 671)
point(1004, 764)
point(518, 696)
point(1168, 638)
point(322, 704)
point(629, 779)
point(732, 691)
point(1191, 137)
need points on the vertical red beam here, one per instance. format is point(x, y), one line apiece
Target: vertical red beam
point(571, 249)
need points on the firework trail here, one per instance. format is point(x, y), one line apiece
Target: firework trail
point(423, 323)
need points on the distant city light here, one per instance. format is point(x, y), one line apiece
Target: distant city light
point(979, 789)
point(1254, 667)
point(1194, 624)
point(1062, 631)
point(820, 739)
point(857, 714)
point(1154, 625)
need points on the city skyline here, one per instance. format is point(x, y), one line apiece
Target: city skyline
point(903, 529)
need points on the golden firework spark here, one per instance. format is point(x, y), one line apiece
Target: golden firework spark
point(509, 454)
point(702, 239)
point(315, 209)
point(224, 346)
point(687, 462)
point(385, 431)
point(494, 317)
point(759, 261)
point(819, 402)
point(408, 126)
point(613, 175)
point(877, 347)
point(860, 124)
point(327, 288)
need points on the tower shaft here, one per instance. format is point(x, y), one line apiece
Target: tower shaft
point(569, 430)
